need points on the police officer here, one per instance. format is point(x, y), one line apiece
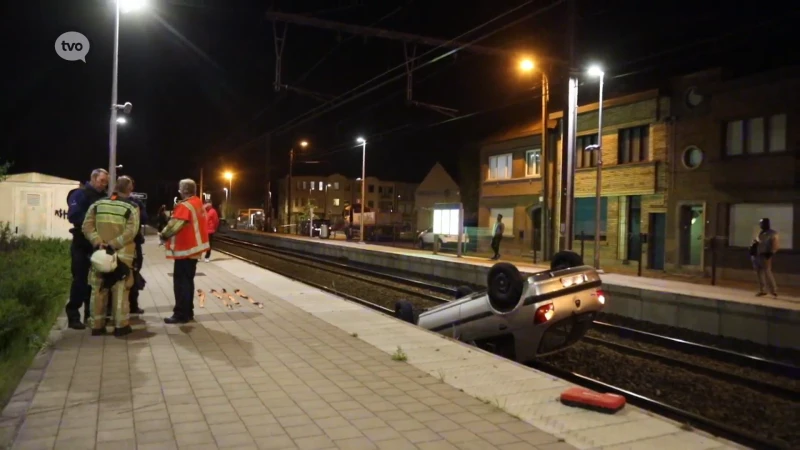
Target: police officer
point(139, 260)
point(113, 224)
point(79, 201)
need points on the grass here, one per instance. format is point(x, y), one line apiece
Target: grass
point(399, 355)
point(35, 277)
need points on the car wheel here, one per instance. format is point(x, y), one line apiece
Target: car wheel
point(565, 259)
point(463, 291)
point(505, 286)
point(404, 310)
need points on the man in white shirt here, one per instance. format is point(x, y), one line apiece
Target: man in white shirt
point(497, 236)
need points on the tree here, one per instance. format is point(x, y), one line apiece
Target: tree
point(4, 167)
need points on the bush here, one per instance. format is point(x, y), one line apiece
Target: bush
point(35, 278)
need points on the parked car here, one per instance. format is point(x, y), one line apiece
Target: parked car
point(425, 239)
point(517, 317)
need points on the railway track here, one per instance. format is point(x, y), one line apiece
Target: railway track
point(432, 292)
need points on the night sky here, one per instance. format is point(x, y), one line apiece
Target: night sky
point(200, 76)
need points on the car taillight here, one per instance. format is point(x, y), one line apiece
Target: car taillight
point(544, 313)
point(601, 297)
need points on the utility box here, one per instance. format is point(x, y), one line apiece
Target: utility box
point(35, 205)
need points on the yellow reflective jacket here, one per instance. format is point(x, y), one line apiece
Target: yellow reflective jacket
point(115, 222)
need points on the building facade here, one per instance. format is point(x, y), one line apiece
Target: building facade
point(329, 195)
point(511, 183)
point(735, 161)
point(634, 189)
point(437, 187)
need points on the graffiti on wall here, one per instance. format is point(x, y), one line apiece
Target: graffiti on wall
point(61, 213)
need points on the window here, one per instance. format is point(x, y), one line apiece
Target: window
point(335, 185)
point(634, 145)
point(500, 167)
point(304, 186)
point(313, 184)
point(744, 226)
point(321, 186)
point(299, 185)
point(336, 202)
point(371, 188)
point(756, 135)
point(370, 204)
point(380, 189)
point(585, 158)
point(692, 157)
point(585, 215)
point(533, 163)
point(508, 220)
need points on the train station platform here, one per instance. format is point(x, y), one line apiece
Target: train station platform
point(710, 309)
point(308, 370)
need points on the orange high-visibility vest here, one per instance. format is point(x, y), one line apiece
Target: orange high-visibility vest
point(192, 239)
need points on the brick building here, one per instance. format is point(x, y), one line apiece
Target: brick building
point(735, 161)
point(634, 179)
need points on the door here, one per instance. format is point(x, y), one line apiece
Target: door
point(657, 241)
point(634, 227)
point(692, 227)
point(536, 220)
point(32, 213)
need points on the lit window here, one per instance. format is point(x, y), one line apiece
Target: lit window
point(533, 163)
point(500, 167)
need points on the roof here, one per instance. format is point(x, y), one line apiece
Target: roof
point(437, 179)
point(41, 178)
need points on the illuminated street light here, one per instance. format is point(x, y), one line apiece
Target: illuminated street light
point(304, 144)
point(363, 143)
point(127, 6)
point(596, 71)
point(122, 120)
point(526, 65)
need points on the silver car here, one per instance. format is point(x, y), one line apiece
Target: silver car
point(517, 317)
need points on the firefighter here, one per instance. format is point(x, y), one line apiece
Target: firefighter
point(112, 224)
point(186, 239)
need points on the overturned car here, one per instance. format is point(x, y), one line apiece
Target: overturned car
point(517, 317)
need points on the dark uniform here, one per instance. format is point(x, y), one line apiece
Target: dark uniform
point(79, 201)
point(139, 259)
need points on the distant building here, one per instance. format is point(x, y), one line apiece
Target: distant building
point(437, 187)
point(331, 194)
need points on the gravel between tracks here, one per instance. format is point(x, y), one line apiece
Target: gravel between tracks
point(381, 295)
point(743, 408)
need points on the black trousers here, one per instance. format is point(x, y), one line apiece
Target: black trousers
point(133, 297)
point(210, 241)
point(496, 244)
point(183, 284)
point(80, 291)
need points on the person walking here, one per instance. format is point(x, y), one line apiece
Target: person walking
point(767, 246)
point(213, 224)
point(112, 224)
point(497, 236)
point(79, 200)
point(185, 239)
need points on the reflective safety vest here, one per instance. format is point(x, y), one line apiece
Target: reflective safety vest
point(192, 238)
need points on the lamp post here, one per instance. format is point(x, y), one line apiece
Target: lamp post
point(227, 203)
point(363, 143)
point(229, 177)
point(527, 65)
point(290, 187)
point(595, 71)
point(126, 6)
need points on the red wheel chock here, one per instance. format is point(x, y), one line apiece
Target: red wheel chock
point(595, 401)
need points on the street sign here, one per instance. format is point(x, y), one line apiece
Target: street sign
point(139, 195)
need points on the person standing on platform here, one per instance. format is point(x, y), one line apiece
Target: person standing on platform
point(213, 224)
point(186, 239)
point(79, 201)
point(765, 250)
point(138, 262)
point(497, 236)
point(112, 224)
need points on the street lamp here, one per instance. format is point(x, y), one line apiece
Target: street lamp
point(125, 6)
point(527, 65)
point(363, 143)
point(229, 176)
point(596, 71)
point(122, 120)
point(289, 187)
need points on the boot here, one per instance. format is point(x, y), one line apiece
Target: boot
point(124, 331)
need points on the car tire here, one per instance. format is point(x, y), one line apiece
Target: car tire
point(463, 291)
point(404, 310)
point(505, 285)
point(565, 260)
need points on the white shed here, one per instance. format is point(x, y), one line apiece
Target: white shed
point(35, 204)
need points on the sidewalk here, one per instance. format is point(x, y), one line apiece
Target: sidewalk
point(272, 378)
